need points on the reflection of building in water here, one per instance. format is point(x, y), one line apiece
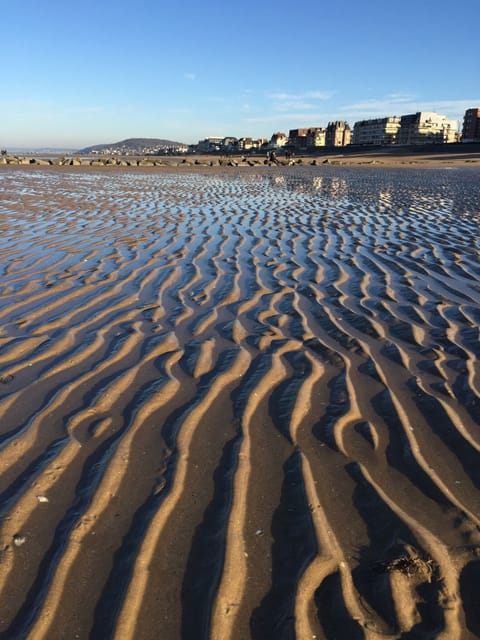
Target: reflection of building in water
point(378, 131)
point(428, 196)
point(385, 199)
point(471, 126)
point(426, 127)
point(328, 187)
point(337, 187)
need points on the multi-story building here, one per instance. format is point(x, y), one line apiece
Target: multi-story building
point(251, 144)
point(297, 139)
point(316, 137)
point(377, 131)
point(471, 126)
point(278, 140)
point(338, 134)
point(230, 144)
point(304, 139)
point(426, 127)
point(260, 143)
point(208, 145)
point(245, 144)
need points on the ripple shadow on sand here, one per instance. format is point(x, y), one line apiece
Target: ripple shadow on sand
point(240, 406)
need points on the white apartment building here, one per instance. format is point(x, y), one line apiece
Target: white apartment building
point(426, 127)
point(316, 137)
point(278, 139)
point(210, 144)
point(377, 131)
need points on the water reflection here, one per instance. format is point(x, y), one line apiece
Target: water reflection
point(441, 191)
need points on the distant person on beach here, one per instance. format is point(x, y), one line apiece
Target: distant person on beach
point(273, 157)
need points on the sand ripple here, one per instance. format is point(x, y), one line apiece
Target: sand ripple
point(240, 406)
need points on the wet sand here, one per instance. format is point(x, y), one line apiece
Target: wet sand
point(240, 404)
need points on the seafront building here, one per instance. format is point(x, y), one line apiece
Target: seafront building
point(316, 137)
point(228, 144)
point(251, 144)
point(297, 139)
point(338, 134)
point(300, 140)
point(426, 127)
point(471, 126)
point(278, 140)
point(209, 145)
point(422, 127)
point(377, 131)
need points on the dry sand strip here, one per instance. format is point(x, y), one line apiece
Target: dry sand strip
point(239, 403)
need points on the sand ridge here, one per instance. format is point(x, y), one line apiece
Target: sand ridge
point(239, 405)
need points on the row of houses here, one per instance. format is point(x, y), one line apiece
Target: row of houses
point(423, 127)
point(336, 134)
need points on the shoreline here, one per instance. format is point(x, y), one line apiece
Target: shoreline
point(382, 158)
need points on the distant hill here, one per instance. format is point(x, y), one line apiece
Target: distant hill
point(133, 146)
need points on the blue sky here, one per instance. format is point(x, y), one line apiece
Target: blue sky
point(80, 73)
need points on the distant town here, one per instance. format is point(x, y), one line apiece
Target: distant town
point(423, 127)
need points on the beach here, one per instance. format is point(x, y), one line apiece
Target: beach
point(420, 156)
point(240, 402)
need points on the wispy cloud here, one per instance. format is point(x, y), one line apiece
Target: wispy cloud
point(298, 101)
point(85, 109)
point(189, 76)
point(400, 103)
point(403, 103)
point(295, 119)
point(393, 101)
point(312, 95)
